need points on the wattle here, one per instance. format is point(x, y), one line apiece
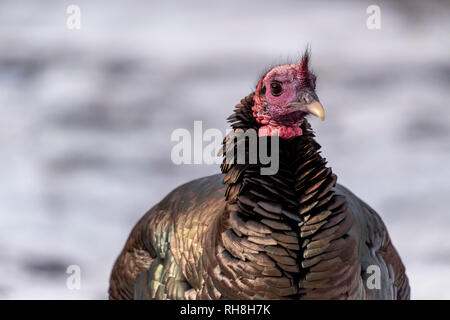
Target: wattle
point(284, 132)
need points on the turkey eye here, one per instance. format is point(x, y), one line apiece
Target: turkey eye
point(276, 88)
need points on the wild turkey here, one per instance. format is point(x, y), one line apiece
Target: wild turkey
point(295, 234)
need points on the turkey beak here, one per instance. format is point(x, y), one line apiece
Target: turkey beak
point(316, 109)
point(308, 103)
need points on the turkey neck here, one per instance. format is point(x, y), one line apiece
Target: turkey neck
point(274, 212)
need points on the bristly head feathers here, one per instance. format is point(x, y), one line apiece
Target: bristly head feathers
point(284, 96)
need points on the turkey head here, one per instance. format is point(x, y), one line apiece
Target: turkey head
point(283, 97)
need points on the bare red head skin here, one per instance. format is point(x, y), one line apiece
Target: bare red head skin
point(283, 97)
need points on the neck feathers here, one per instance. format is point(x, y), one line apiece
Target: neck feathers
point(270, 220)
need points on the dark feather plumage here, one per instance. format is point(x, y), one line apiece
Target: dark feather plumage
point(240, 235)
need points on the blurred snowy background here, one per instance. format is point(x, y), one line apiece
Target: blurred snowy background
point(86, 118)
